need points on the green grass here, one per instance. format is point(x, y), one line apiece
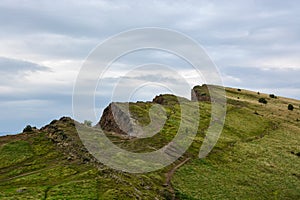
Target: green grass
point(263, 168)
point(14, 153)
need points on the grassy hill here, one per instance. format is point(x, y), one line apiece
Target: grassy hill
point(256, 157)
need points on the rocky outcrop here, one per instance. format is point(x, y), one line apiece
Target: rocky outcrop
point(209, 93)
point(168, 99)
point(116, 118)
point(200, 93)
point(63, 133)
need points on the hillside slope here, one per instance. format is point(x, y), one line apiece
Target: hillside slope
point(257, 156)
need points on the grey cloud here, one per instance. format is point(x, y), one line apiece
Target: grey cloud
point(13, 73)
point(14, 66)
point(253, 26)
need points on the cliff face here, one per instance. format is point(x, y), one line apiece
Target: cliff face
point(144, 119)
point(116, 119)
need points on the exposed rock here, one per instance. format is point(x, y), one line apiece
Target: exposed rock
point(209, 93)
point(200, 93)
point(115, 118)
point(67, 139)
point(21, 190)
point(169, 99)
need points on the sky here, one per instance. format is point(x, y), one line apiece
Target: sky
point(254, 44)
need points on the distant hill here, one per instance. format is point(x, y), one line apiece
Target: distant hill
point(256, 157)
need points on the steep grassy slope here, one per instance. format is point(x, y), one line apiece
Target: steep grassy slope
point(255, 157)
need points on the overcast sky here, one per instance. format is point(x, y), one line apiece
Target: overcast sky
point(255, 45)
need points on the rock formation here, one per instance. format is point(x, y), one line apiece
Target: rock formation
point(200, 93)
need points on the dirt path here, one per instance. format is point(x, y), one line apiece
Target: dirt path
point(170, 174)
point(28, 173)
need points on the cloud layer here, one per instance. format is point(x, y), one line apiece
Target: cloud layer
point(255, 45)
